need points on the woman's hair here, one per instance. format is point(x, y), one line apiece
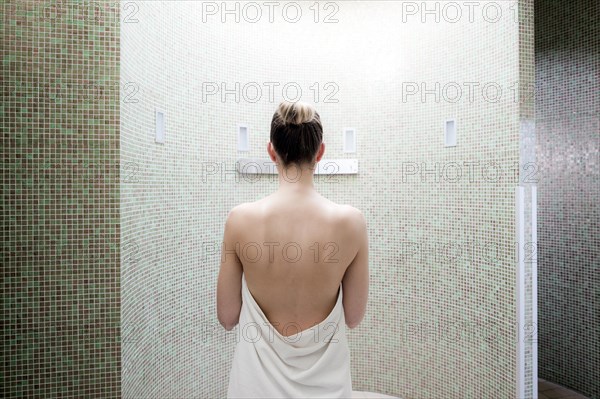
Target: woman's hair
point(296, 133)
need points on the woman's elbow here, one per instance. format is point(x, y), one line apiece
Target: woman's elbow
point(228, 319)
point(228, 323)
point(353, 323)
point(228, 327)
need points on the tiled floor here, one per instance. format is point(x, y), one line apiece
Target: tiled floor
point(549, 390)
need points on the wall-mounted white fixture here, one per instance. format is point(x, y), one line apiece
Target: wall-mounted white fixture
point(349, 139)
point(337, 167)
point(159, 120)
point(450, 132)
point(520, 293)
point(243, 138)
point(264, 166)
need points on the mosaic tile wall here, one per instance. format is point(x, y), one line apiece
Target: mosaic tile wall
point(441, 313)
point(60, 200)
point(567, 113)
point(527, 334)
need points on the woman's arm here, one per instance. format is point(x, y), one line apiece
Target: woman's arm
point(229, 283)
point(356, 279)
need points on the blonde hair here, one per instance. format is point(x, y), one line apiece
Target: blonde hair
point(296, 113)
point(296, 133)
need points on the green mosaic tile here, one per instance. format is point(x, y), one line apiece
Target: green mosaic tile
point(61, 340)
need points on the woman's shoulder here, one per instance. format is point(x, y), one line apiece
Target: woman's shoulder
point(351, 216)
point(346, 216)
point(344, 213)
point(248, 211)
point(347, 212)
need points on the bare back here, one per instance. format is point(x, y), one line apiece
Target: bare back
point(295, 251)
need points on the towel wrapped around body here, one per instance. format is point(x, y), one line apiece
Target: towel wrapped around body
point(311, 363)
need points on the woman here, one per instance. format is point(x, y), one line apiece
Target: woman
point(294, 273)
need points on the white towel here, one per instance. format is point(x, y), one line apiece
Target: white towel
point(311, 363)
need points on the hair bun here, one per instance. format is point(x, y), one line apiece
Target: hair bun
point(295, 113)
